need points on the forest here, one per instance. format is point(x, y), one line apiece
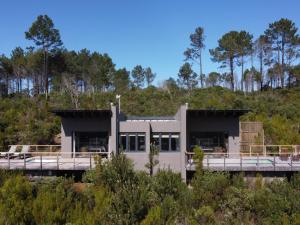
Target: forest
point(263, 75)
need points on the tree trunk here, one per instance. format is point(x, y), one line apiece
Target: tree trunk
point(201, 72)
point(282, 61)
point(261, 71)
point(242, 76)
point(46, 72)
point(231, 73)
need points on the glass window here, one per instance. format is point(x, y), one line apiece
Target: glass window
point(165, 142)
point(91, 141)
point(155, 140)
point(123, 142)
point(132, 142)
point(141, 142)
point(174, 142)
point(132, 146)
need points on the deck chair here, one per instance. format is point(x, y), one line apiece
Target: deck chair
point(11, 152)
point(25, 150)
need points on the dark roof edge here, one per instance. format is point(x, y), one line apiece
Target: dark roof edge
point(81, 112)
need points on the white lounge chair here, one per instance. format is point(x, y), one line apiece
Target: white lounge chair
point(24, 152)
point(12, 151)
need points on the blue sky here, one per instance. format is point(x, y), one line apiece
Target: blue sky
point(151, 33)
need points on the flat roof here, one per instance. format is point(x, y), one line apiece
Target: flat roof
point(147, 118)
point(82, 113)
point(212, 112)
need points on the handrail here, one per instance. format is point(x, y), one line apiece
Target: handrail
point(276, 161)
point(50, 160)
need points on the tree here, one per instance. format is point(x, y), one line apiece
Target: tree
point(6, 71)
point(283, 36)
point(227, 51)
point(44, 35)
point(153, 161)
point(187, 77)
point(121, 80)
point(244, 43)
point(194, 53)
point(19, 66)
point(149, 76)
point(213, 79)
point(138, 75)
point(263, 50)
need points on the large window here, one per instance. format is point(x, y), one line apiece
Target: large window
point(132, 142)
point(166, 142)
point(91, 141)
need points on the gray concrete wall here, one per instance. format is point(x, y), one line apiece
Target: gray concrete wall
point(166, 159)
point(182, 116)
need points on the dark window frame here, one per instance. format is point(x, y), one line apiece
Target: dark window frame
point(128, 135)
point(170, 134)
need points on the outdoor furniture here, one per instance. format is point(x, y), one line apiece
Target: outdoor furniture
point(284, 156)
point(11, 152)
point(295, 157)
point(24, 152)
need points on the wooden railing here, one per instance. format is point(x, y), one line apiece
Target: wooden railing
point(275, 161)
point(51, 160)
point(39, 148)
point(266, 150)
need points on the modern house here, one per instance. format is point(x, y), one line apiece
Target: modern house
point(110, 131)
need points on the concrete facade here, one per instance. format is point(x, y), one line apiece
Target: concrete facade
point(181, 125)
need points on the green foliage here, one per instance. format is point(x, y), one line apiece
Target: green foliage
point(153, 161)
point(198, 157)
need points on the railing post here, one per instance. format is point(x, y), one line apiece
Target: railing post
point(8, 158)
point(241, 162)
point(207, 161)
point(57, 166)
point(74, 160)
point(274, 161)
point(24, 155)
point(41, 163)
point(257, 158)
point(90, 160)
point(291, 162)
point(224, 162)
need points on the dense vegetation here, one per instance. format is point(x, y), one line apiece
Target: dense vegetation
point(27, 120)
point(37, 79)
point(46, 76)
point(114, 193)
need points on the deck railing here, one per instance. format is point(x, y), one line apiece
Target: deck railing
point(265, 161)
point(51, 160)
point(39, 148)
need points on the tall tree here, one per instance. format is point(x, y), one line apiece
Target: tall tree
point(283, 36)
point(244, 43)
point(187, 77)
point(213, 79)
point(138, 76)
point(194, 53)
point(263, 51)
point(121, 80)
point(19, 66)
point(226, 52)
point(44, 35)
point(149, 76)
point(6, 72)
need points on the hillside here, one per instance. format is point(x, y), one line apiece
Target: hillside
point(27, 120)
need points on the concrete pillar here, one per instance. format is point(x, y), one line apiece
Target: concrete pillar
point(183, 137)
point(113, 135)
